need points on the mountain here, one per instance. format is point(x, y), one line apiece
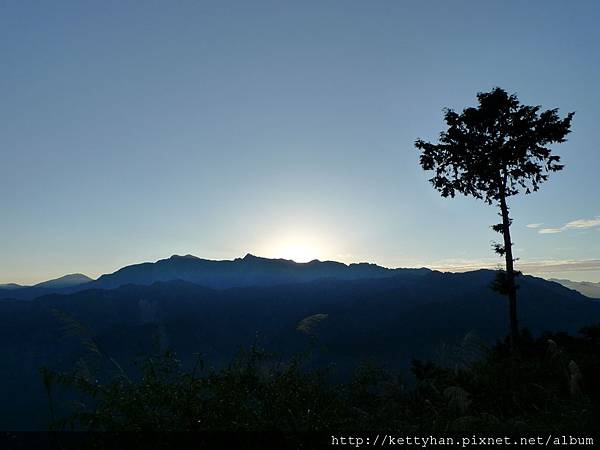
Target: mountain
point(586, 288)
point(248, 271)
point(74, 279)
point(386, 320)
point(64, 284)
point(9, 286)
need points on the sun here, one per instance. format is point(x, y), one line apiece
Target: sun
point(298, 252)
point(295, 246)
point(299, 246)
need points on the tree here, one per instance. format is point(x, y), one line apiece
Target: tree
point(492, 152)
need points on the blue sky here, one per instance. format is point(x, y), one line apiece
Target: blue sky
point(130, 131)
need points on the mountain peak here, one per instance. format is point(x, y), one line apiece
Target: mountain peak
point(72, 279)
point(250, 257)
point(188, 256)
point(10, 286)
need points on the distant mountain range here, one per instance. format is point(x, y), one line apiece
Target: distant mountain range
point(193, 305)
point(9, 286)
point(70, 280)
point(586, 288)
point(248, 271)
point(67, 283)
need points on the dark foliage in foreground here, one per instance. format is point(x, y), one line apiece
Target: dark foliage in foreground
point(552, 384)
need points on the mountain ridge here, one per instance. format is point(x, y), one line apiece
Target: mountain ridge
point(72, 279)
point(587, 288)
point(250, 270)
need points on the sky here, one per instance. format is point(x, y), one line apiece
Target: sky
point(131, 131)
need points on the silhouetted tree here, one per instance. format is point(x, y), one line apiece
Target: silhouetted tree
point(491, 152)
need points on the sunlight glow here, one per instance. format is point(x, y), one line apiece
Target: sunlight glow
point(298, 252)
point(295, 246)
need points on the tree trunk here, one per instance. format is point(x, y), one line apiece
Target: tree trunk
point(510, 275)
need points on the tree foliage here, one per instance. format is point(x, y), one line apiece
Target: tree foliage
point(498, 148)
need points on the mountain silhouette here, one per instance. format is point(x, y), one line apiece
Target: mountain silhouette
point(247, 271)
point(64, 284)
point(384, 319)
point(74, 279)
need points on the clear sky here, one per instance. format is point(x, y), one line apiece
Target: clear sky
point(130, 131)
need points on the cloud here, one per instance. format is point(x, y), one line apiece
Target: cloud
point(584, 223)
point(569, 265)
point(532, 266)
point(550, 230)
point(534, 225)
point(463, 265)
point(579, 224)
